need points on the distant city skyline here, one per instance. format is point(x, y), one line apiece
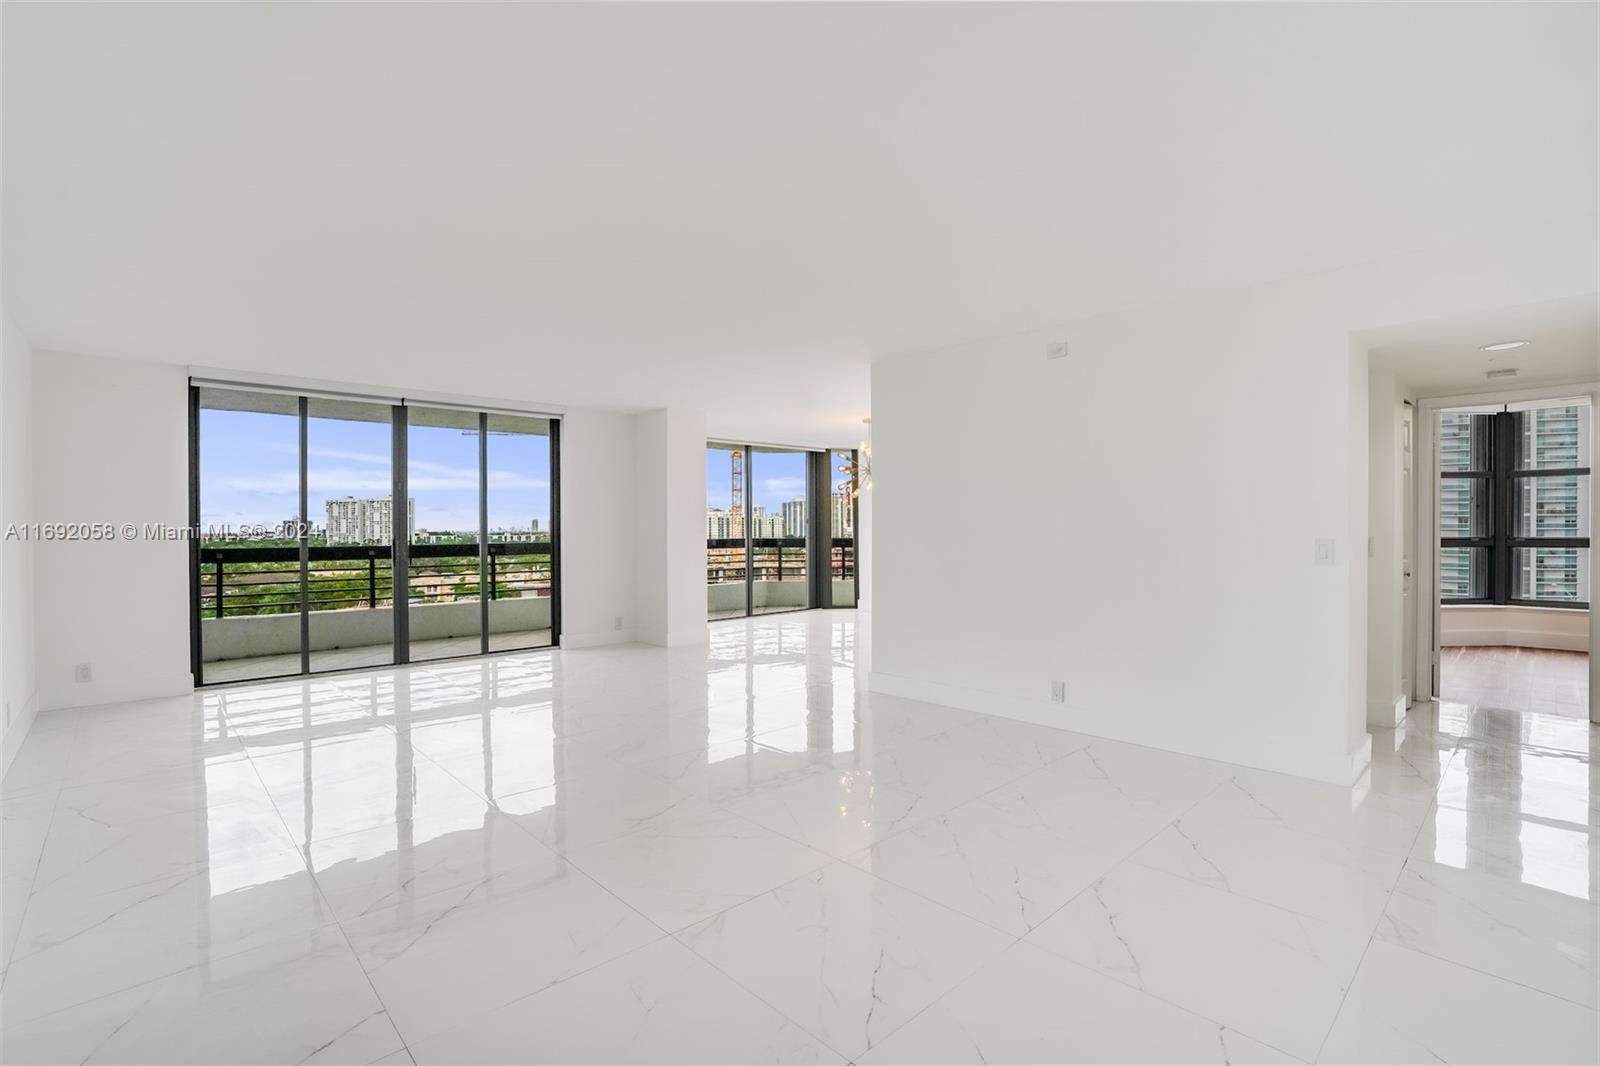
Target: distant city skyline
point(249, 471)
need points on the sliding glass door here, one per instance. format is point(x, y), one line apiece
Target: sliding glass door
point(304, 563)
point(780, 519)
point(350, 559)
point(247, 495)
point(727, 553)
point(519, 581)
point(442, 463)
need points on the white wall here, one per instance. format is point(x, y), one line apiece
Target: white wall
point(110, 445)
point(597, 529)
point(1385, 620)
point(1150, 504)
point(669, 481)
point(18, 690)
point(1513, 626)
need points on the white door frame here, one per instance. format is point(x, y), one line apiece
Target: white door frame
point(1425, 480)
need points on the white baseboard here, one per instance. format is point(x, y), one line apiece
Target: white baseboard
point(21, 721)
point(1341, 768)
point(597, 640)
point(1384, 715)
point(98, 693)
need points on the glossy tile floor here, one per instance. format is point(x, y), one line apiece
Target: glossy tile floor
point(734, 854)
point(1516, 679)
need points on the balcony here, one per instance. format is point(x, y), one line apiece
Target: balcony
point(250, 622)
point(779, 580)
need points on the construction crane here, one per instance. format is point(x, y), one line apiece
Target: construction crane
point(736, 495)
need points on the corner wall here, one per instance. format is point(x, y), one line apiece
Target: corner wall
point(669, 480)
point(598, 515)
point(18, 689)
point(1148, 509)
point(111, 445)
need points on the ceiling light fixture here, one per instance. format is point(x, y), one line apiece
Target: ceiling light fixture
point(1504, 346)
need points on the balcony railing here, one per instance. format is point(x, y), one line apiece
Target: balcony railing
point(774, 559)
point(266, 580)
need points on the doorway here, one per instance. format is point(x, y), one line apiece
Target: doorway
point(1514, 520)
point(780, 529)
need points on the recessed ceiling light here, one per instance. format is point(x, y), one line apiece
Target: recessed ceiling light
point(1503, 346)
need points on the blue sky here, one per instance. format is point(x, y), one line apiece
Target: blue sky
point(775, 478)
point(249, 471)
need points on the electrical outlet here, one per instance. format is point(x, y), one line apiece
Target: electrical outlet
point(1057, 350)
point(618, 626)
point(1058, 691)
point(1324, 551)
point(83, 672)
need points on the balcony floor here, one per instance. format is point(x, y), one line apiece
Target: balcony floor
point(735, 852)
point(268, 666)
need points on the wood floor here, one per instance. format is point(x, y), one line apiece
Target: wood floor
point(1517, 679)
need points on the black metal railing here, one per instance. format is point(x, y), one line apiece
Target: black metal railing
point(266, 580)
point(773, 559)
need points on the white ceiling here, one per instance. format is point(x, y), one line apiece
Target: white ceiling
point(738, 207)
point(1445, 356)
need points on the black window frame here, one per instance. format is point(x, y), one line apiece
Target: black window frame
point(1501, 480)
point(400, 549)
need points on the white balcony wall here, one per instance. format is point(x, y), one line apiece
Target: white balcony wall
point(245, 636)
point(1153, 502)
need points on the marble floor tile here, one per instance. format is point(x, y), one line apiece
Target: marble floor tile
point(737, 853)
point(300, 1000)
point(838, 812)
point(657, 1004)
point(1532, 729)
point(1560, 856)
point(1540, 783)
point(1409, 763)
point(374, 869)
point(438, 960)
point(73, 947)
point(847, 956)
point(695, 862)
point(595, 807)
point(1362, 816)
point(1108, 797)
point(1274, 975)
point(1524, 933)
point(1029, 1006)
point(1226, 842)
point(997, 863)
point(1408, 1007)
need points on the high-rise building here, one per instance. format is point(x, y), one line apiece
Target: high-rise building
point(719, 525)
point(352, 520)
point(842, 516)
point(1553, 437)
point(1457, 450)
point(794, 518)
